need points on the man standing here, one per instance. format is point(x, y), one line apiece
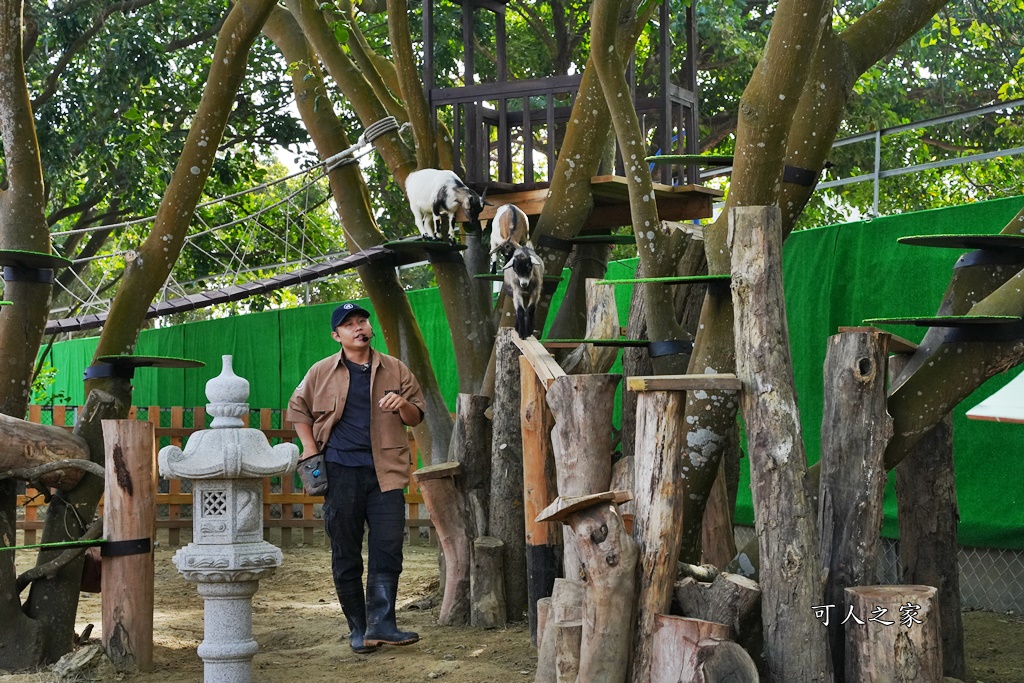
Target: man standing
point(354, 406)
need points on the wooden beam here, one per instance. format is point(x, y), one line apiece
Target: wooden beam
point(542, 362)
point(723, 382)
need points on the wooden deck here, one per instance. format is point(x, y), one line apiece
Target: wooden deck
point(611, 202)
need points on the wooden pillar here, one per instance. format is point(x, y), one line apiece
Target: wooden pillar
point(568, 639)
point(447, 508)
point(582, 442)
point(901, 644)
point(658, 505)
point(928, 516)
point(487, 584)
point(566, 604)
point(608, 560)
point(538, 490)
point(696, 651)
point(471, 447)
point(855, 429)
point(129, 513)
point(790, 569)
point(505, 516)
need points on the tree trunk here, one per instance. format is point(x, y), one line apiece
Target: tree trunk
point(718, 544)
point(129, 514)
point(447, 508)
point(539, 490)
point(928, 515)
point(582, 442)
point(506, 520)
point(471, 447)
point(609, 560)
point(657, 500)
point(602, 322)
point(855, 430)
point(486, 584)
point(903, 645)
point(787, 536)
point(26, 445)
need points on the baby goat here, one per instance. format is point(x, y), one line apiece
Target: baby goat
point(524, 276)
point(510, 228)
point(433, 192)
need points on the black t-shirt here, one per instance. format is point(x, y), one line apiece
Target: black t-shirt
point(350, 439)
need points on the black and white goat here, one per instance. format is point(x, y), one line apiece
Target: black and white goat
point(433, 192)
point(510, 228)
point(524, 276)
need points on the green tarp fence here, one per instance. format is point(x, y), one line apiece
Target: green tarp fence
point(834, 276)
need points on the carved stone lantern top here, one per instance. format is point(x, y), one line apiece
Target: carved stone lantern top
point(228, 450)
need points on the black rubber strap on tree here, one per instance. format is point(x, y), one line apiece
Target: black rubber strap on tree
point(103, 370)
point(136, 546)
point(16, 274)
point(670, 347)
point(554, 243)
point(799, 176)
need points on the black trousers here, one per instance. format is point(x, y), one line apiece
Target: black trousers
point(354, 501)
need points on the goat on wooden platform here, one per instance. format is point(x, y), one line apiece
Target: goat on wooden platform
point(433, 192)
point(510, 228)
point(524, 276)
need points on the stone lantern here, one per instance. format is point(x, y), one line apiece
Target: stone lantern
point(227, 556)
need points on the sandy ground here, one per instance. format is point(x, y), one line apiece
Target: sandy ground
point(301, 633)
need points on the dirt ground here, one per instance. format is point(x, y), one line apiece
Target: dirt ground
point(301, 633)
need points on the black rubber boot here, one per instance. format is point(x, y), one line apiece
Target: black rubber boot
point(354, 606)
point(381, 592)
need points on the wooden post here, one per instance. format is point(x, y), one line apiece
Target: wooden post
point(471, 447)
point(928, 516)
point(486, 584)
point(582, 442)
point(543, 611)
point(658, 505)
point(568, 638)
point(855, 429)
point(718, 544)
point(696, 651)
point(447, 508)
point(505, 516)
point(790, 570)
point(901, 644)
point(566, 604)
point(538, 490)
point(129, 513)
point(602, 323)
point(608, 555)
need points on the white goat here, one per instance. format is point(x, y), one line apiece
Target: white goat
point(524, 276)
point(433, 192)
point(510, 228)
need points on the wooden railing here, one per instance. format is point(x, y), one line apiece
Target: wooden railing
point(286, 507)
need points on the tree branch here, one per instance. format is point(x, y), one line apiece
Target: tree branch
point(31, 474)
point(200, 37)
point(53, 567)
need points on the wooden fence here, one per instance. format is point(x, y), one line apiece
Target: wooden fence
point(286, 507)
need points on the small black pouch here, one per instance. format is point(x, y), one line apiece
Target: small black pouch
point(313, 473)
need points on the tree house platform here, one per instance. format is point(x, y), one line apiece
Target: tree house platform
point(611, 202)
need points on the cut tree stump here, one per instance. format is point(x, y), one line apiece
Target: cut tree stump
point(447, 508)
point(658, 503)
point(568, 638)
point(486, 584)
point(129, 513)
point(565, 604)
point(608, 556)
point(582, 407)
point(696, 651)
point(855, 429)
point(784, 513)
point(907, 650)
point(729, 599)
point(24, 445)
